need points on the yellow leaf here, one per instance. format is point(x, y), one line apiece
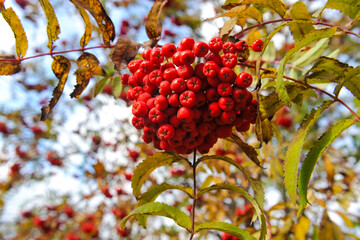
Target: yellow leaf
point(347, 220)
point(227, 28)
point(15, 24)
point(329, 169)
point(153, 25)
point(298, 30)
point(102, 19)
point(301, 228)
point(9, 67)
point(274, 5)
point(60, 67)
point(87, 64)
point(88, 27)
point(125, 51)
point(53, 28)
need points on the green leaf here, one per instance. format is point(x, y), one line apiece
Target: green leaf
point(274, 5)
point(105, 24)
point(61, 68)
point(226, 29)
point(99, 86)
point(53, 28)
point(117, 86)
point(295, 147)
point(313, 155)
point(299, 30)
point(14, 22)
point(247, 149)
point(153, 192)
point(149, 164)
point(349, 7)
point(160, 209)
point(87, 65)
point(153, 25)
point(309, 38)
point(255, 184)
point(312, 54)
point(225, 227)
point(88, 27)
point(9, 67)
point(351, 82)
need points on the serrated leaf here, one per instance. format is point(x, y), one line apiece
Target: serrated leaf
point(117, 86)
point(351, 82)
point(312, 54)
point(160, 209)
point(88, 27)
point(99, 86)
point(153, 25)
point(313, 155)
point(87, 65)
point(105, 24)
point(149, 164)
point(9, 67)
point(299, 30)
point(153, 192)
point(255, 184)
point(226, 29)
point(125, 50)
point(60, 67)
point(17, 28)
point(292, 158)
point(235, 188)
point(349, 7)
point(309, 38)
point(266, 130)
point(247, 149)
point(274, 5)
point(53, 28)
point(225, 227)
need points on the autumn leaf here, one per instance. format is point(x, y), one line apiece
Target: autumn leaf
point(53, 28)
point(60, 67)
point(125, 51)
point(87, 65)
point(153, 25)
point(9, 67)
point(88, 27)
point(102, 19)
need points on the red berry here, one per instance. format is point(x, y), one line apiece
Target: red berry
point(178, 85)
point(186, 44)
point(194, 84)
point(166, 132)
point(224, 89)
point(156, 115)
point(156, 56)
point(187, 98)
point(140, 109)
point(161, 102)
point(229, 47)
point(241, 45)
point(187, 57)
point(170, 74)
point(257, 45)
point(226, 103)
point(164, 88)
point(226, 74)
point(168, 50)
point(215, 44)
point(185, 71)
point(200, 49)
point(185, 114)
point(210, 69)
point(229, 60)
point(215, 110)
point(244, 80)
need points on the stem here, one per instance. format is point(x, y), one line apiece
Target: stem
point(315, 88)
point(194, 197)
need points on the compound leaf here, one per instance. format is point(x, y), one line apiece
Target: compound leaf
point(294, 151)
point(14, 22)
point(60, 67)
point(149, 164)
point(9, 67)
point(225, 227)
point(160, 209)
point(313, 155)
point(53, 28)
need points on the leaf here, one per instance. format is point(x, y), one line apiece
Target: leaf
point(88, 27)
point(255, 184)
point(346, 219)
point(235, 188)
point(247, 149)
point(9, 67)
point(53, 28)
point(312, 54)
point(153, 192)
point(313, 155)
point(299, 30)
point(329, 230)
point(60, 67)
point(349, 7)
point(87, 65)
point(125, 50)
point(117, 86)
point(99, 86)
point(225, 227)
point(14, 22)
point(301, 228)
point(105, 24)
point(149, 164)
point(160, 209)
point(351, 82)
point(266, 130)
point(310, 37)
point(274, 5)
point(226, 29)
point(292, 158)
point(153, 25)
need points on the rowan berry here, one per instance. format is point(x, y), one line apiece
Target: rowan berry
point(194, 84)
point(244, 80)
point(229, 60)
point(185, 71)
point(166, 132)
point(170, 74)
point(226, 103)
point(229, 47)
point(200, 49)
point(168, 50)
point(257, 45)
point(215, 44)
point(210, 69)
point(178, 85)
point(185, 114)
point(241, 45)
point(187, 57)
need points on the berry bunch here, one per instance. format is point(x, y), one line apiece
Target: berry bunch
point(182, 105)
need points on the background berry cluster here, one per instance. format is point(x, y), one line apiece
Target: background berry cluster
point(181, 104)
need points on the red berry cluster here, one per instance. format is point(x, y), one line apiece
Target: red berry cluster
point(182, 105)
